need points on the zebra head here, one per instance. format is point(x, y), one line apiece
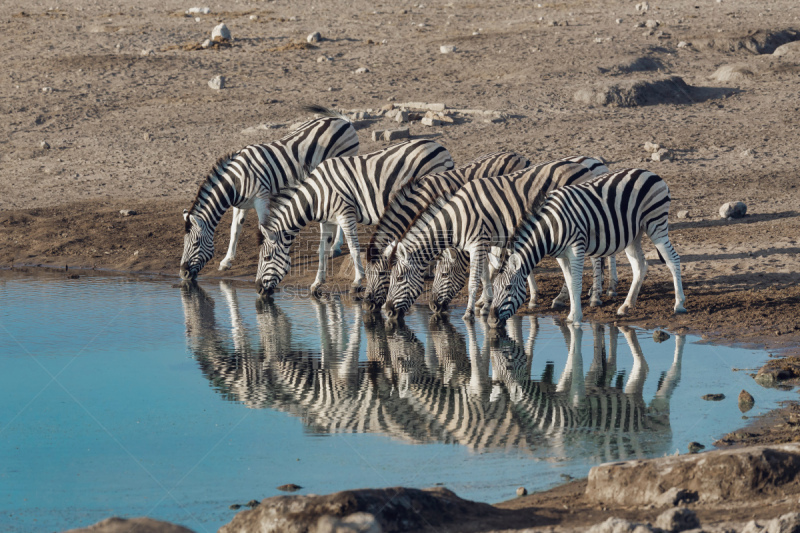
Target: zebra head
point(405, 284)
point(450, 275)
point(376, 272)
point(198, 245)
point(509, 290)
point(273, 260)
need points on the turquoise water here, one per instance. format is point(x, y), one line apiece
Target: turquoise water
point(131, 397)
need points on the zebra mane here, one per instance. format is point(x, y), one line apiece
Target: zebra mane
point(439, 201)
point(218, 168)
point(532, 208)
point(324, 111)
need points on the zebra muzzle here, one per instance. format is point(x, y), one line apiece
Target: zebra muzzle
point(186, 274)
point(438, 308)
point(493, 319)
point(263, 291)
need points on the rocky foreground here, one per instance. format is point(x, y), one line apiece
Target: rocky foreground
point(753, 490)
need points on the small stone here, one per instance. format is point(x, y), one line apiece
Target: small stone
point(253, 17)
point(314, 37)
point(324, 59)
point(684, 44)
point(713, 397)
point(136, 253)
point(44, 145)
point(447, 49)
point(651, 147)
point(618, 21)
point(643, 7)
point(220, 31)
point(675, 496)
point(677, 519)
point(733, 210)
point(393, 135)
point(147, 52)
point(788, 523)
point(660, 335)
point(234, 506)
point(198, 19)
point(200, 10)
point(401, 116)
point(290, 487)
point(361, 70)
point(428, 121)
point(683, 213)
point(638, 25)
point(522, 491)
point(662, 154)
point(652, 24)
point(206, 43)
point(752, 527)
point(252, 503)
point(553, 23)
point(127, 212)
point(377, 135)
point(746, 401)
point(217, 82)
point(695, 447)
point(387, 107)
point(148, 136)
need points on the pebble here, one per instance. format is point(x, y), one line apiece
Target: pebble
point(652, 24)
point(447, 49)
point(221, 31)
point(684, 44)
point(377, 135)
point(324, 59)
point(44, 145)
point(746, 401)
point(47, 89)
point(234, 506)
point(289, 487)
point(660, 335)
point(522, 491)
point(253, 17)
point(662, 154)
point(651, 147)
point(217, 82)
point(643, 7)
point(788, 523)
point(695, 447)
point(127, 212)
point(401, 116)
point(733, 210)
point(677, 519)
point(430, 121)
point(252, 503)
point(314, 37)
point(206, 43)
point(618, 21)
point(147, 52)
point(713, 397)
point(683, 214)
point(200, 10)
point(148, 136)
point(361, 70)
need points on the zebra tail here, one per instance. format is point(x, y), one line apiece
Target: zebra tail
point(324, 111)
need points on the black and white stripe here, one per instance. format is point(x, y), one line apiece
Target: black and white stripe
point(246, 179)
point(482, 214)
point(344, 191)
point(452, 269)
point(406, 205)
point(596, 219)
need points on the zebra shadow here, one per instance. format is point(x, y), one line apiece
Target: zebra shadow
point(469, 385)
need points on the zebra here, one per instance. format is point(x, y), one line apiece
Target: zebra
point(343, 190)
point(594, 219)
point(452, 269)
point(407, 203)
point(483, 213)
point(246, 179)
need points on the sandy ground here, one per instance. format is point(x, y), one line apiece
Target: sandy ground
point(129, 122)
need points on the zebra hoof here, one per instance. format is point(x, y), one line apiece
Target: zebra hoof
point(469, 315)
point(224, 265)
point(622, 311)
point(680, 310)
point(336, 252)
point(595, 303)
point(557, 304)
point(611, 294)
point(532, 305)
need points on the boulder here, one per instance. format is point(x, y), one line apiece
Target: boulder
point(715, 476)
point(131, 525)
point(788, 523)
point(217, 82)
point(220, 31)
point(677, 519)
point(393, 509)
point(733, 210)
point(732, 73)
point(632, 93)
point(788, 50)
point(746, 401)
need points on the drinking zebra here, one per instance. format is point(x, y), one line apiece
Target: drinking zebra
point(452, 269)
point(407, 203)
point(246, 179)
point(482, 214)
point(345, 191)
point(595, 219)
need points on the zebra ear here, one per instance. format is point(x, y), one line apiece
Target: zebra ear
point(494, 261)
point(387, 252)
point(515, 261)
point(185, 215)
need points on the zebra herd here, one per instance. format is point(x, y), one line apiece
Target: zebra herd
point(496, 217)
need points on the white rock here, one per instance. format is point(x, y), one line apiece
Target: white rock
point(684, 44)
point(198, 19)
point(324, 59)
point(677, 519)
point(788, 523)
point(127, 212)
point(618, 21)
point(662, 154)
point(44, 145)
point(361, 70)
point(651, 147)
point(643, 7)
point(217, 82)
point(201, 10)
point(733, 210)
point(447, 49)
point(253, 17)
point(377, 135)
point(791, 50)
point(146, 53)
point(428, 121)
point(206, 43)
point(221, 31)
point(314, 37)
point(683, 214)
point(752, 527)
point(652, 24)
point(393, 135)
point(401, 116)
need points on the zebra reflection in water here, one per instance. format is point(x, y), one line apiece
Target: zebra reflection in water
point(436, 384)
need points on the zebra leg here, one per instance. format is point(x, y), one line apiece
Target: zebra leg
point(336, 250)
point(348, 224)
point(534, 290)
point(326, 231)
point(496, 257)
point(597, 282)
point(674, 265)
point(476, 267)
point(640, 369)
point(236, 231)
point(560, 301)
point(639, 266)
point(572, 266)
point(612, 276)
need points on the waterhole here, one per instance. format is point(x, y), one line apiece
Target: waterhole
point(133, 397)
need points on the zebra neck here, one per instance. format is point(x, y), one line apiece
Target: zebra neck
point(429, 244)
point(534, 241)
point(216, 195)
